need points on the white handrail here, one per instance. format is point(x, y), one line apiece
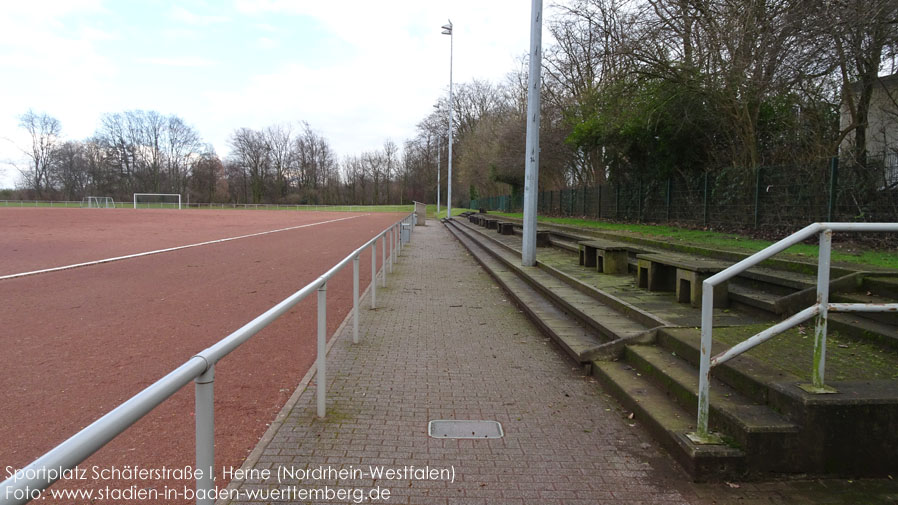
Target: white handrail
point(22, 486)
point(820, 309)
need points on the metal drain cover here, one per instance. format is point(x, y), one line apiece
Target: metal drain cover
point(464, 429)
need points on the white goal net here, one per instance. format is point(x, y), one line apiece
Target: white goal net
point(157, 200)
point(98, 202)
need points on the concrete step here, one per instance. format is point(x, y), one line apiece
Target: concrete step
point(606, 318)
point(890, 318)
point(669, 423)
point(576, 339)
point(754, 298)
point(567, 245)
point(768, 439)
point(886, 286)
point(862, 328)
point(750, 377)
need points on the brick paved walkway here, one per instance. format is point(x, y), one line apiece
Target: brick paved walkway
point(445, 343)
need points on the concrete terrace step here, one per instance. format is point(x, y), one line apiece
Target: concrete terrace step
point(512, 245)
point(578, 340)
point(890, 318)
point(743, 373)
point(612, 324)
point(668, 423)
point(786, 272)
point(881, 285)
point(767, 438)
point(861, 328)
point(755, 298)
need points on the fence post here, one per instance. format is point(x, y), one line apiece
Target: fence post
point(617, 201)
point(639, 201)
point(833, 177)
point(668, 199)
point(374, 274)
point(392, 247)
point(322, 347)
point(757, 196)
point(204, 417)
point(584, 196)
point(383, 261)
point(599, 199)
point(355, 299)
point(705, 201)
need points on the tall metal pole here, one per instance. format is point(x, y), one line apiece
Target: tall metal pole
point(531, 172)
point(438, 176)
point(447, 30)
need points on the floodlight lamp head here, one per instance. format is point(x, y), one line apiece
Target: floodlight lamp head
point(447, 28)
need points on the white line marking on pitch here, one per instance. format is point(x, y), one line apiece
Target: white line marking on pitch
point(138, 255)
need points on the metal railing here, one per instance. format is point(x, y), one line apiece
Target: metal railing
point(202, 205)
point(820, 310)
point(27, 483)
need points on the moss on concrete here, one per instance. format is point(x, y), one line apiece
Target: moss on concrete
point(793, 351)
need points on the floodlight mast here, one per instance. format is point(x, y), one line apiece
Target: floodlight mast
point(447, 30)
point(531, 155)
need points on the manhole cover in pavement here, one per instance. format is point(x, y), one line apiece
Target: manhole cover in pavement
point(464, 429)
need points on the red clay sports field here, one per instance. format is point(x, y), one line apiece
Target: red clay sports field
point(78, 342)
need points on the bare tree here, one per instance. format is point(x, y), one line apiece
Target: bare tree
point(251, 153)
point(44, 131)
point(280, 146)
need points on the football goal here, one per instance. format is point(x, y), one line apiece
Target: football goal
point(98, 202)
point(157, 200)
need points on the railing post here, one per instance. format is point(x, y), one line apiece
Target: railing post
point(392, 245)
point(383, 261)
point(704, 374)
point(355, 299)
point(322, 347)
point(204, 417)
point(826, 237)
point(374, 274)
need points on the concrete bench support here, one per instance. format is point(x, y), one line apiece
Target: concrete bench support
point(684, 276)
point(604, 257)
point(505, 228)
point(654, 275)
point(490, 224)
point(689, 288)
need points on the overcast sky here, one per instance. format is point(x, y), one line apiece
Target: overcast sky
point(359, 71)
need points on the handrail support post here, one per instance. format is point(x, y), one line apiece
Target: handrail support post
point(355, 299)
point(702, 434)
point(204, 417)
point(322, 348)
point(374, 274)
point(823, 271)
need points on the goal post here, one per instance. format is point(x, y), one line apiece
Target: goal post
point(157, 200)
point(98, 202)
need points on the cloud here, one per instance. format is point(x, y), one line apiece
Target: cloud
point(182, 15)
point(267, 43)
point(182, 62)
